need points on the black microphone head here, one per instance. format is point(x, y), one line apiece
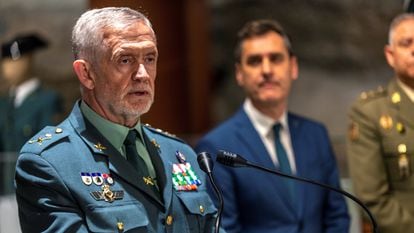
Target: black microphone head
point(205, 162)
point(231, 159)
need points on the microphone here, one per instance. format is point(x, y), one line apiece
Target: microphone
point(206, 164)
point(235, 160)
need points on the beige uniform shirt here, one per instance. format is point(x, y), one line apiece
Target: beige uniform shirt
point(380, 152)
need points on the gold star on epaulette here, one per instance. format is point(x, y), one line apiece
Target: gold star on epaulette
point(166, 133)
point(170, 134)
point(100, 147)
point(363, 95)
point(366, 95)
point(40, 140)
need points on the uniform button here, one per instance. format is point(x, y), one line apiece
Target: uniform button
point(402, 148)
point(169, 220)
point(120, 226)
point(58, 130)
point(201, 209)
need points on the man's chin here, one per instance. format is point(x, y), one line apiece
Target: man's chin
point(140, 109)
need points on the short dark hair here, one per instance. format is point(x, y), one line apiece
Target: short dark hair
point(258, 28)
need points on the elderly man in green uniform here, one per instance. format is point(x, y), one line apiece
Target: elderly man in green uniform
point(381, 137)
point(101, 170)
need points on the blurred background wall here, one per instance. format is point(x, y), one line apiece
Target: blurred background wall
point(339, 45)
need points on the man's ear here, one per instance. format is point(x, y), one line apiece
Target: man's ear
point(294, 67)
point(389, 55)
point(238, 74)
point(83, 71)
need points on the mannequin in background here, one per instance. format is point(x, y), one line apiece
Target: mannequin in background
point(27, 107)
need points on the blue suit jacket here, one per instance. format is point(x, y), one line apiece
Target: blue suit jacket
point(256, 202)
point(53, 197)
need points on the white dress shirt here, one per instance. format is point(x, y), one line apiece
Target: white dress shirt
point(22, 91)
point(264, 127)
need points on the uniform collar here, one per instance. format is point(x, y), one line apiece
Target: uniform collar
point(114, 133)
point(407, 90)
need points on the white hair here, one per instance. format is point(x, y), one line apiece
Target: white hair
point(396, 21)
point(88, 32)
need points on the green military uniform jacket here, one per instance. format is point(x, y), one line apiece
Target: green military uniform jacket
point(71, 179)
point(381, 156)
point(18, 125)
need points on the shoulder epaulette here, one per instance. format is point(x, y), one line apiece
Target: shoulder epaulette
point(44, 139)
point(162, 132)
point(373, 94)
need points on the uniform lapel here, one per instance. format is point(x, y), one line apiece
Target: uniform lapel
point(116, 162)
point(152, 147)
point(405, 107)
point(300, 160)
point(248, 136)
point(258, 153)
point(162, 165)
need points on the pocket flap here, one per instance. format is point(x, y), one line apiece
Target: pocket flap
point(105, 218)
point(197, 202)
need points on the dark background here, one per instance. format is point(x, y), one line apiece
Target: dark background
point(339, 45)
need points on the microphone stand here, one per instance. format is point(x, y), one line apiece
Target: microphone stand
point(220, 199)
point(206, 164)
point(235, 160)
point(350, 196)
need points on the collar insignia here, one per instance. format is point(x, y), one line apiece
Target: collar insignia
point(100, 147)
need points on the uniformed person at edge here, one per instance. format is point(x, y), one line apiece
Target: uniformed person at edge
point(381, 135)
point(27, 106)
point(101, 170)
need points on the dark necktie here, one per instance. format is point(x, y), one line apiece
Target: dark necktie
point(284, 165)
point(134, 158)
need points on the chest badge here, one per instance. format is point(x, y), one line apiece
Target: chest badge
point(183, 176)
point(386, 122)
point(86, 178)
point(106, 194)
point(403, 161)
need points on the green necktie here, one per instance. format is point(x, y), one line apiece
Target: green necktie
point(284, 165)
point(134, 158)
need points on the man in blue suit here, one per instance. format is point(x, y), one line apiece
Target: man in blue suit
point(264, 132)
point(101, 170)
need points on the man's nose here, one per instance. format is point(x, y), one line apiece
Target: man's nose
point(141, 72)
point(266, 66)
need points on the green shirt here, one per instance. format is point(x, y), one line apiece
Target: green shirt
point(116, 135)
